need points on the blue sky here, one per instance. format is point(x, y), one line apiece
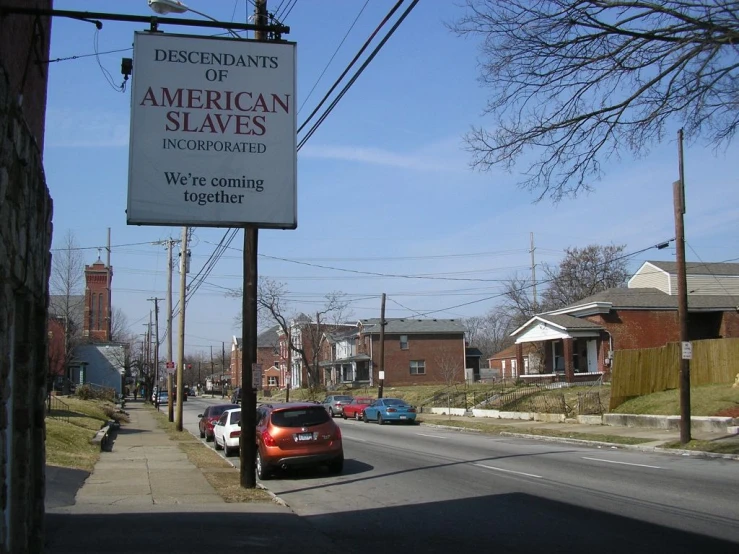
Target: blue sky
point(384, 185)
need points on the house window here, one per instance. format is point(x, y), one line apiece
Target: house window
point(418, 367)
point(91, 323)
point(404, 342)
point(100, 311)
point(558, 354)
point(272, 380)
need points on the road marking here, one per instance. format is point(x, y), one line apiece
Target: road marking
point(510, 471)
point(432, 436)
point(354, 438)
point(621, 463)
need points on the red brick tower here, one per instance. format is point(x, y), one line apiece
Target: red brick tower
point(98, 280)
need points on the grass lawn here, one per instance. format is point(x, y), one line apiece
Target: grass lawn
point(68, 439)
point(708, 400)
point(730, 446)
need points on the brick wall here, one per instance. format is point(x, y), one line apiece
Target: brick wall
point(440, 353)
point(25, 242)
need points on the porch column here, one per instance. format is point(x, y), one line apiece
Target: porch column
point(569, 366)
point(519, 359)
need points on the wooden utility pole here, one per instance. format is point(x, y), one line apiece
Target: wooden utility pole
point(289, 374)
point(170, 357)
point(156, 351)
point(248, 450)
point(109, 296)
point(678, 191)
point(181, 341)
point(381, 373)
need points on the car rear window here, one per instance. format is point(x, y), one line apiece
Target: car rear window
point(235, 417)
point(300, 417)
point(343, 398)
point(395, 402)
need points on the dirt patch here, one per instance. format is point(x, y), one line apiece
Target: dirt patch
point(227, 483)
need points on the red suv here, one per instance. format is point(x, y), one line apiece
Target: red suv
point(210, 417)
point(297, 435)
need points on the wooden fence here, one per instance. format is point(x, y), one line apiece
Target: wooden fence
point(648, 370)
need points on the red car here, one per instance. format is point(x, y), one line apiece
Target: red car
point(210, 417)
point(356, 408)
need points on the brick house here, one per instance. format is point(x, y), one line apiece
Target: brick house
point(504, 364)
point(577, 341)
point(268, 355)
point(417, 351)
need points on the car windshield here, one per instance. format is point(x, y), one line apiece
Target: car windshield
point(300, 417)
point(218, 410)
point(395, 402)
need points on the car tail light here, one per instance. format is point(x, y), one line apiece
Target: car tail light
point(411, 409)
point(268, 440)
point(235, 434)
point(392, 410)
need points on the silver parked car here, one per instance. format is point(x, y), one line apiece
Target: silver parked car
point(335, 403)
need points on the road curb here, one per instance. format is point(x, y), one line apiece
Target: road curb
point(615, 446)
point(600, 444)
point(276, 499)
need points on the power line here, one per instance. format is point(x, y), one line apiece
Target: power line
point(333, 104)
point(333, 56)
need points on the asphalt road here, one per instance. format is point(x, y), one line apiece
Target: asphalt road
point(426, 489)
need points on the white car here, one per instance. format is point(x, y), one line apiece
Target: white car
point(227, 431)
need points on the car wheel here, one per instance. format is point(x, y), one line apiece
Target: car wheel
point(262, 470)
point(365, 418)
point(343, 414)
point(380, 421)
point(208, 437)
point(202, 434)
point(336, 466)
point(330, 412)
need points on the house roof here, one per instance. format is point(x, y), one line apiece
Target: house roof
point(473, 352)
point(510, 352)
point(569, 322)
point(651, 298)
point(337, 335)
point(265, 339)
point(404, 326)
point(699, 268)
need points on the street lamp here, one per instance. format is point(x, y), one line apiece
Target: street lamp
point(163, 7)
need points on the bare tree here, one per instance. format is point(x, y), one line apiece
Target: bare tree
point(518, 303)
point(584, 272)
point(119, 328)
point(578, 81)
point(490, 333)
point(273, 307)
point(66, 301)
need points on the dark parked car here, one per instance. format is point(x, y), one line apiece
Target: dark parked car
point(210, 417)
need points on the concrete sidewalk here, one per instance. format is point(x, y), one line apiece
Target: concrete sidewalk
point(144, 495)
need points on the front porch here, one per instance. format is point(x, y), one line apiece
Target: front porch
point(569, 349)
point(351, 371)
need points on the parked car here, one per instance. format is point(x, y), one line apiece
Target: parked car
point(297, 435)
point(334, 403)
point(210, 417)
point(227, 430)
point(390, 409)
point(356, 407)
point(161, 397)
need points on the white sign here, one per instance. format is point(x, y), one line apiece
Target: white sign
point(256, 376)
point(687, 350)
point(381, 375)
point(213, 132)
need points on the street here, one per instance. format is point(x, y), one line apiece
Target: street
point(433, 489)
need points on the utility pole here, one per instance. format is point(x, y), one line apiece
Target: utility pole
point(381, 373)
point(156, 352)
point(223, 356)
point(248, 450)
point(533, 270)
point(181, 341)
point(289, 374)
point(678, 192)
point(109, 326)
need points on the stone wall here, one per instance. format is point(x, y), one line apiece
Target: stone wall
point(25, 261)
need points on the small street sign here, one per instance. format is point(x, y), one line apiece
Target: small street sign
point(687, 350)
point(256, 376)
point(171, 366)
